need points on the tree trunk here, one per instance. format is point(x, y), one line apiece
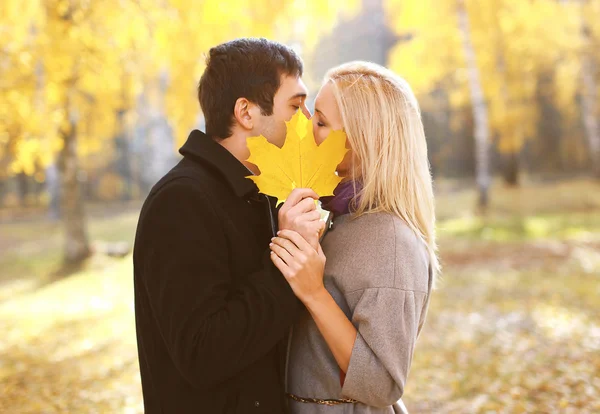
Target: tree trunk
point(23, 188)
point(53, 188)
point(511, 169)
point(2, 187)
point(589, 92)
point(123, 160)
point(76, 240)
point(549, 156)
point(480, 110)
point(514, 135)
point(590, 112)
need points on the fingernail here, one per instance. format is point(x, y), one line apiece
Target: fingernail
point(272, 238)
point(270, 244)
point(278, 232)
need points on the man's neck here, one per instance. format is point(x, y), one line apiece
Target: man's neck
point(236, 145)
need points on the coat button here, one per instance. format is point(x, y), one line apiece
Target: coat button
point(257, 404)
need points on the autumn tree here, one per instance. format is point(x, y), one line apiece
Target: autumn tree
point(489, 56)
point(72, 72)
point(589, 28)
point(64, 69)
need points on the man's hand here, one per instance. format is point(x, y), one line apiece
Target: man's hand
point(299, 213)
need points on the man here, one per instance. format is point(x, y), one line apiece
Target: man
point(212, 311)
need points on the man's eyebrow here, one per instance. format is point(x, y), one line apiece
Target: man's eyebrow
point(298, 95)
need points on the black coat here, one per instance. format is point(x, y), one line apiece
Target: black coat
point(211, 309)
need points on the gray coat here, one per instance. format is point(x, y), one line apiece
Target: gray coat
point(378, 272)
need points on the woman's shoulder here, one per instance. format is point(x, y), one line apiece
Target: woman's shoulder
point(372, 223)
point(380, 227)
point(377, 250)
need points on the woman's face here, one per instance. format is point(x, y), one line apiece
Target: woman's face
point(327, 118)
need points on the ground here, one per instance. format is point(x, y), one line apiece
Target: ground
point(513, 327)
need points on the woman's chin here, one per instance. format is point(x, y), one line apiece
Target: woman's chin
point(343, 173)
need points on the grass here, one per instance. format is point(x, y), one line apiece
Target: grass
point(513, 327)
point(510, 341)
point(560, 226)
point(456, 199)
point(32, 250)
point(68, 343)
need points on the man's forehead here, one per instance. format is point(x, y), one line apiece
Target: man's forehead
point(294, 87)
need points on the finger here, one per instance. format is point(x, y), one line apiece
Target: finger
point(320, 225)
point(282, 252)
point(320, 251)
point(284, 208)
point(316, 226)
point(314, 241)
point(310, 216)
point(299, 194)
point(297, 239)
point(304, 219)
point(288, 245)
point(280, 264)
point(305, 206)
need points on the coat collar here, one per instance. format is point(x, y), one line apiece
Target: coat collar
point(201, 147)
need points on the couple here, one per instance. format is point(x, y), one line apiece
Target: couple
point(236, 310)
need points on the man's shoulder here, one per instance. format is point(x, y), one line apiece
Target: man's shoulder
point(186, 182)
point(186, 172)
point(178, 202)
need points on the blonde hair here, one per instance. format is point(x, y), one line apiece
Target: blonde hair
point(382, 121)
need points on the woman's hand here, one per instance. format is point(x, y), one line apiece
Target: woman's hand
point(303, 268)
point(300, 264)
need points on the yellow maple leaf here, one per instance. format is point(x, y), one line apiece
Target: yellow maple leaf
point(300, 163)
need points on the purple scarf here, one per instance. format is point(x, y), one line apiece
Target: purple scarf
point(342, 200)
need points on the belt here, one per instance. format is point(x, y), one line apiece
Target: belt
point(321, 401)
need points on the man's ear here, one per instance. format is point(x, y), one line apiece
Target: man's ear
point(242, 111)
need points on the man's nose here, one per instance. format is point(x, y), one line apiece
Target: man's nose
point(305, 111)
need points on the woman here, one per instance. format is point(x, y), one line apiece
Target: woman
point(351, 351)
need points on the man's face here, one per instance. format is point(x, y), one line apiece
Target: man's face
point(290, 97)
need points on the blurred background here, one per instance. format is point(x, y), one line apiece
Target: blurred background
point(96, 97)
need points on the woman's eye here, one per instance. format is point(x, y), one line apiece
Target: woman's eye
point(320, 124)
point(295, 107)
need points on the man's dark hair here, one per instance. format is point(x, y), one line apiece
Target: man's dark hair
point(243, 68)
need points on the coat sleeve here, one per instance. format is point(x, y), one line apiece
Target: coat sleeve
point(387, 322)
point(212, 328)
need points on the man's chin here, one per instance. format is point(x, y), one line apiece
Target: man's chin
point(252, 167)
point(278, 143)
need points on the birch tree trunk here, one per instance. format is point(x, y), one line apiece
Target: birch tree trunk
point(589, 107)
point(589, 91)
point(480, 110)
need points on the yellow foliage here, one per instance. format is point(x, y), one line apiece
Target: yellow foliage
point(88, 60)
point(514, 41)
point(65, 59)
point(300, 163)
